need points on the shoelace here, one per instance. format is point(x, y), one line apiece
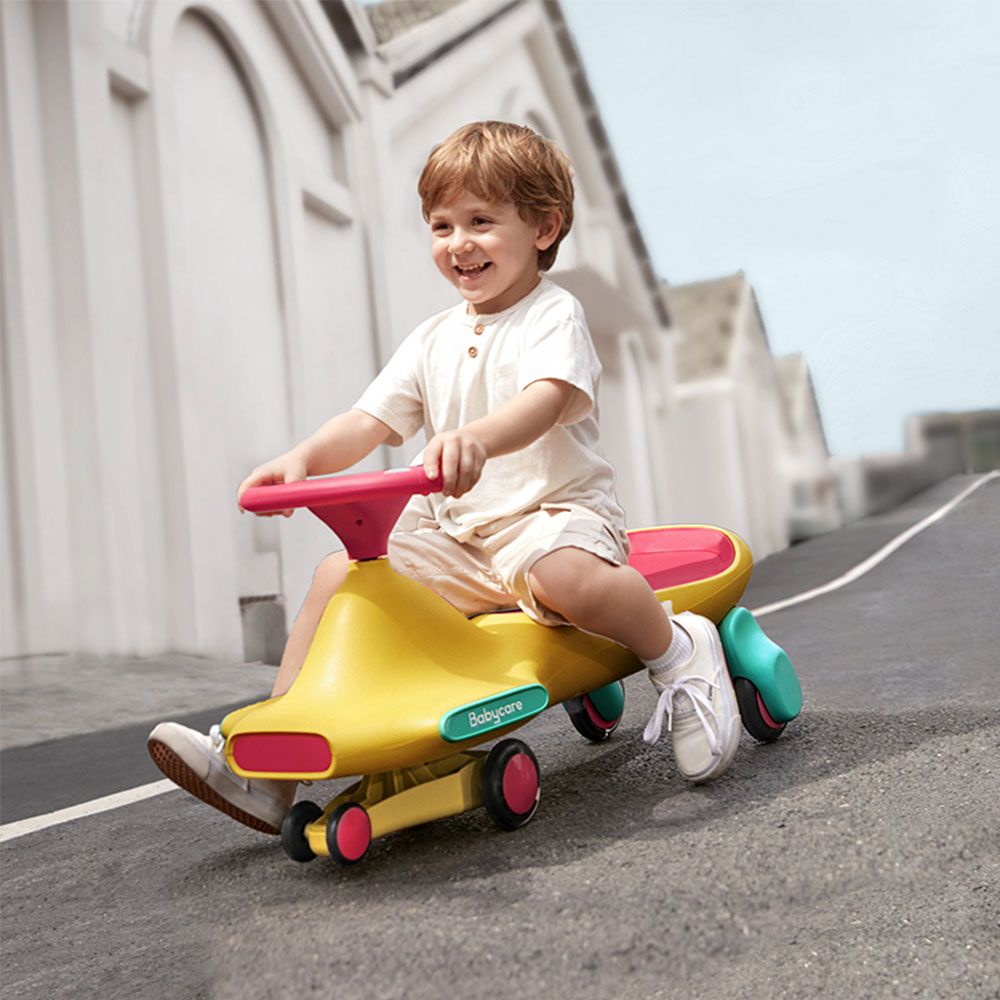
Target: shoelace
point(219, 746)
point(702, 708)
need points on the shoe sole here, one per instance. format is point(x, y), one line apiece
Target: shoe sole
point(180, 774)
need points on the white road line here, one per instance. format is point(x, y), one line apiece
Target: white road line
point(873, 560)
point(10, 831)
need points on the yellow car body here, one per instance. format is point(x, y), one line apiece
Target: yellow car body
point(396, 677)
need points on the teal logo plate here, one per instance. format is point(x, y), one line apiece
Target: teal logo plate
point(501, 710)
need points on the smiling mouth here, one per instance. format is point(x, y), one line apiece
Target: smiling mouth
point(472, 270)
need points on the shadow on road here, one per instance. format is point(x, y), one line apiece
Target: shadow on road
point(619, 792)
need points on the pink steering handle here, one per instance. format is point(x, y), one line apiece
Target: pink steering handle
point(360, 508)
point(334, 490)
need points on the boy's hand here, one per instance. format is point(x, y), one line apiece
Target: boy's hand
point(287, 468)
point(460, 455)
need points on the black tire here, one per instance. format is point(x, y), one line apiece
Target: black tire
point(747, 696)
point(293, 830)
point(348, 833)
point(583, 714)
point(511, 784)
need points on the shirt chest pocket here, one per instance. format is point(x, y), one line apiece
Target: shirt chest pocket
point(501, 383)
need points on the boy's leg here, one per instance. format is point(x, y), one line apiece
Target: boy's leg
point(593, 594)
point(326, 582)
point(684, 659)
point(196, 761)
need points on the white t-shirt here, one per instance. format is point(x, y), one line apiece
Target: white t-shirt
point(445, 375)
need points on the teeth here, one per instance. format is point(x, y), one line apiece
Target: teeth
point(470, 268)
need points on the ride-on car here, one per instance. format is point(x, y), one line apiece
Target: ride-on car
point(399, 688)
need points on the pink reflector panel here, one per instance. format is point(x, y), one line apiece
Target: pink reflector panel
point(282, 753)
point(669, 557)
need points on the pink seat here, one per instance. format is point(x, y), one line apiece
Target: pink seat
point(671, 556)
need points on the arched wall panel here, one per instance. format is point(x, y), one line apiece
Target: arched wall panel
point(234, 380)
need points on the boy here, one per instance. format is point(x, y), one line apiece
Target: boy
point(509, 375)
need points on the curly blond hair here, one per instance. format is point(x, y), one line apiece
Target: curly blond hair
point(501, 161)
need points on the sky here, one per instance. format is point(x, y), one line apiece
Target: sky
point(845, 154)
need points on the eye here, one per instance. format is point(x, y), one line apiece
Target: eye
point(438, 227)
point(481, 220)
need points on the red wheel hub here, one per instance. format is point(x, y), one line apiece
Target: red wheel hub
point(595, 717)
point(765, 715)
point(354, 834)
point(520, 784)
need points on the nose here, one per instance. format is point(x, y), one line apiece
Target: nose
point(460, 241)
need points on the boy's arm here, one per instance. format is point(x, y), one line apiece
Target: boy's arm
point(341, 441)
point(460, 454)
point(338, 444)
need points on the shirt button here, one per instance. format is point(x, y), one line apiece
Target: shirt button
point(479, 328)
point(472, 352)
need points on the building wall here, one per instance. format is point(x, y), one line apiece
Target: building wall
point(211, 241)
point(705, 463)
point(813, 487)
point(729, 442)
point(180, 242)
point(957, 442)
point(763, 428)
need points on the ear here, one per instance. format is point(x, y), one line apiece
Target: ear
point(548, 229)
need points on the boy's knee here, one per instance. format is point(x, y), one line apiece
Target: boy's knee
point(329, 574)
point(568, 581)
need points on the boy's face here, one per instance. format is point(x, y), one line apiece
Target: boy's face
point(487, 251)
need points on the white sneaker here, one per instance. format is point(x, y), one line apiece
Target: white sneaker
point(197, 763)
point(699, 701)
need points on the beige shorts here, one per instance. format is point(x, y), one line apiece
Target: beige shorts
point(490, 571)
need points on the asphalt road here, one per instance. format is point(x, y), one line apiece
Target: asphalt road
point(858, 856)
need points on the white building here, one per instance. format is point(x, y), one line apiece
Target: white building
point(750, 445)
point(938, 445)
point(814, 488)
point(211, 243)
